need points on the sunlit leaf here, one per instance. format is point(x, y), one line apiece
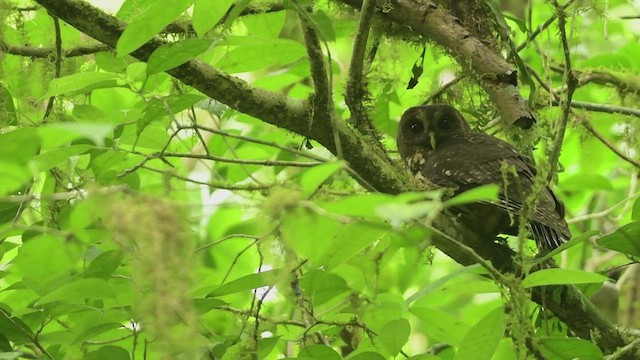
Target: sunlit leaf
point(561, 276)
point(487, 192)
point(569, 348)
point(207, 13)
point(175, 54)
point(147, 23)
point(249, 282)
point(81, 83)
point(394, 335)
point(482, 339)
point(313, 178)
point(624, 239)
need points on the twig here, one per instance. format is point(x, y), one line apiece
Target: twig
point(355, 90)
point(234, 161)
point(58, 66)
point(63, 196)
point(601, 213)
point(623, 350)
point(542, 27)
point(572, 83)
point(603, 108)
point(443, 88)
point(608, 144)
point(215, 185)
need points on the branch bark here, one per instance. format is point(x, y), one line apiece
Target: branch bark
point(496, 76)
point(571, 306)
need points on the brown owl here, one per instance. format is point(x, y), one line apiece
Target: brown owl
point(437, 145)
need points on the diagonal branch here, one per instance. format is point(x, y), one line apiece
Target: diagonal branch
point(496, 76)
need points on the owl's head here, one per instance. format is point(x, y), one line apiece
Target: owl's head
point(422, 128)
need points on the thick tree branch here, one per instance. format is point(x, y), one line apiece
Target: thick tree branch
point(571, 306)
point(496, 75)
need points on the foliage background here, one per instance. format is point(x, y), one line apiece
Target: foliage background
point(141, 219)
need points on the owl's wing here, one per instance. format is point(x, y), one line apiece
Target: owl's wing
point(480, 159)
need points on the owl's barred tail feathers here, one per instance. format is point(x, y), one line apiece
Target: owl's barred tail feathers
point(546, 237)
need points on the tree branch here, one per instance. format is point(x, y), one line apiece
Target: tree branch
point(497, 77)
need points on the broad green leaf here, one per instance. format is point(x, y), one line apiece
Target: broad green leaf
point(81, 83)
point(14, 329)
point(440, 282)
point(574, 241)
point(582, 182)
point(324, 24)
point(169, 106)
point(19, 146)
point(440, 326)
point(481, 193)
point(624, 239)
point(351, 239)
point(368, 355)
point(319, 352)
point(313, 178)
point(259, 56)
point(110, 352)
point(569, 348)
point(44, 262)
point(265, 346)
point(207, 13)
point(322, 286)
point(561, 276)
point(147, 23)
point(59, 133)
point(265, 24)
point(103, 266)
point(175, 54)
point(250, 282)
point(13, 177)
point(399, 213)
point(7, 110)
point(50, 159)
point(394, 335)
point(482, 340)
point(80, 290)
point(635, 211)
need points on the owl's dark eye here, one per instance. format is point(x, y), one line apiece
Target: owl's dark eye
point(445, 123)
point(416, 127)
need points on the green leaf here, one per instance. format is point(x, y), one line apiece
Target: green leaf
point(325, 25)
point(250, 282)
point(13, 177)
point(80, 290)
point(50, 159)
point(624, 239)
point(322, 287)
point(582, 181)
point(259, 55)
point(175, 54)
point(148, 22)
point(265, 346)
point(481, 193)
point(109, 352)
point(7, 110)
point(19, 146)
point(265, 24)
point(43, 261)
point(159, 108)
point(207, 13)
point(573, 242)
point(569, 348)
point(351, 239)
point(635, 211)
point(104, 265)
point(482, 340)
point(440, 282)
point(313, 178)
point(319, 352)
point(14, 329)
point(368, 355)
point(60, 133)
point(81, 83)
point(440, 326)
point(561, 276)
point(394, 335)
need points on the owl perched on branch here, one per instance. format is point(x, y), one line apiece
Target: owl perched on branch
point(437, 145)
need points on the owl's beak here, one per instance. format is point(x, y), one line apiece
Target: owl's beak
point(432, 140)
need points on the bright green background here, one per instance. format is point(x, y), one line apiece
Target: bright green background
point(110, 252)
